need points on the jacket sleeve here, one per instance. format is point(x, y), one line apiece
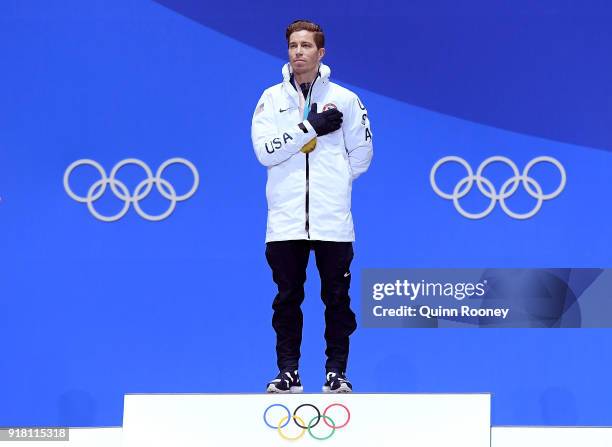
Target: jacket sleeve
point(271, 144)
point(357, 137)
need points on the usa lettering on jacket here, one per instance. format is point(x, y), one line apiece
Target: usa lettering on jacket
point(276, 143)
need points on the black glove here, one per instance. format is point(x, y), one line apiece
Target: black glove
point(324, 122)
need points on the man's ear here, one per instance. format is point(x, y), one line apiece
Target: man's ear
point(321, 53)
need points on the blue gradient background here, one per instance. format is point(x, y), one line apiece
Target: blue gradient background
point(94, 310)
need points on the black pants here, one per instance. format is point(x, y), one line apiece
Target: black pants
point(288, 260)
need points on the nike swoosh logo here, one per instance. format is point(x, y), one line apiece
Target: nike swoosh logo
point(347, 274)
point(284, 110)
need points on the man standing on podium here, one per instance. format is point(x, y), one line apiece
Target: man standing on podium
point(314, 137)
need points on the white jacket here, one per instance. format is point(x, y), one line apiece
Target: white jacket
point(309, 195)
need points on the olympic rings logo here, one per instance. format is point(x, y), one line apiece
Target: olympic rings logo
point(509, 187)
point(142, 190)
point(312, 422)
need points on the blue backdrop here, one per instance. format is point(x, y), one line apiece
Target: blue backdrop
point(92, 310)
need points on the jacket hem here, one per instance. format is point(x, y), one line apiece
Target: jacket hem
point(313, 237)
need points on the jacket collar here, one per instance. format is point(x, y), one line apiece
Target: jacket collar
point(322, 78)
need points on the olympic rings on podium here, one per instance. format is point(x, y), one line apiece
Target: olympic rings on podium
point(299, 422)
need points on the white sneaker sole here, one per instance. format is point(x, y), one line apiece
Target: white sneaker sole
point(341, 389)
point(293, 390)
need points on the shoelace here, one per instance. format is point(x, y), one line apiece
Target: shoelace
point(289, 381)
point(334, 376)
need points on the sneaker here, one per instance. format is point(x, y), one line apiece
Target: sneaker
point(286, 382)
point(336, 382)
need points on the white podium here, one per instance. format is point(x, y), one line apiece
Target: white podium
point(253, 420)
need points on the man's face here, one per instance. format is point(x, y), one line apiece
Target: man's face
point(303, 53)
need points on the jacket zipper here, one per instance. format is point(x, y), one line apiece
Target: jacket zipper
point(307, 202)
point(307, 227)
